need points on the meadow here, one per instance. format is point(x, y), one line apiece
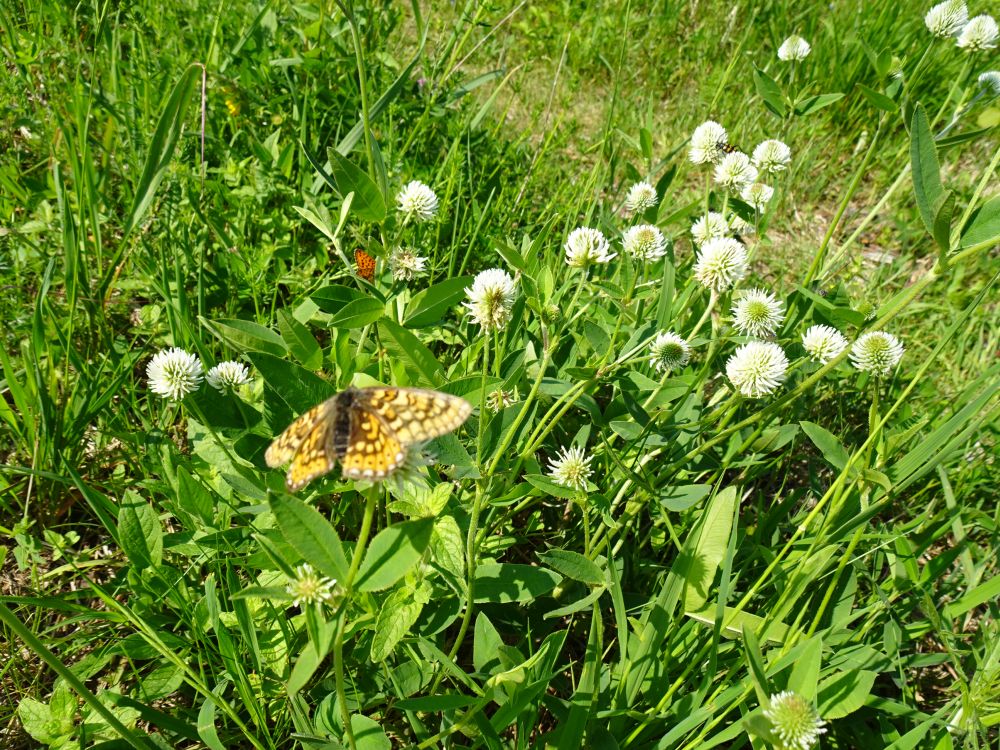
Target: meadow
point(694, 310)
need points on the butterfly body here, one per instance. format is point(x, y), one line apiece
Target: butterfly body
point(367, 429)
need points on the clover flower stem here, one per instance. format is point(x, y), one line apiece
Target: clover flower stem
point(482, 400)
point(471, 551)
point(525, 407)
point(914, 77)
point(958, 86)
point(371, 500)
point(873, 147)
point(712, 301)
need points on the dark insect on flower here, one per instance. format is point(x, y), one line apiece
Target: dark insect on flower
point(365, 264)
point(727, 148)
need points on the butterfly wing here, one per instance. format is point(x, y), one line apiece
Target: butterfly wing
point(306, 443)
point(414, 415)
point(373, 450)
point(365, 264)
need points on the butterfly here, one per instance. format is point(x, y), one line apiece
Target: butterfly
point(365, 264)
point(367, 429)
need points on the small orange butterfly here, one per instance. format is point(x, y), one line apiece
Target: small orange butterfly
point(365, 264)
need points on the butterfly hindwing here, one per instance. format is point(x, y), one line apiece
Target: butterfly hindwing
point(414, 415)
point(373, 451)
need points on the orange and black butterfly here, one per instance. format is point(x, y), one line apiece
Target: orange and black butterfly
point(365, 264)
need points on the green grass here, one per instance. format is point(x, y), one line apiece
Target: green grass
point(837, 538)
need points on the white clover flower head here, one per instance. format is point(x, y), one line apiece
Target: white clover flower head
point(309, 587)
point(669, 352)
point(876, 352)
point(823, 343)
point(735, 171)
point(757, 369)
point(757, 313)
point(721, 262)
point(709, 227)
point(417, 202)
point(757, 195)
point(990, 80)
point(227, 376)
point(491, 298)
point(406, 264)
point(771, 156)
point(571, 468)
point(707, 142)
point(644, 242)
point(585, 246)
point(742, 227)
point(947, 18)
point(794, 48)
point(640, 196)
point(980, 33)
point(499, 399)
point(795, 720)
point(174, 373)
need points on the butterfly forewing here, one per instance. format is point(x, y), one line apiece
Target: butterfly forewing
point(284, 447)
point(416, 414)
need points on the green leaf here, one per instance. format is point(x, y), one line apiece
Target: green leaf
point(331, 299)
point(358, 314)
point(296, 386)
point(878, 99)
point(805, 671)
point(984, 226)
point(440, 702)
point(815, 103)
point(301, 343)
point(944, 210)
point(448, 546)
point(161, 146)
point(683, 497)
point(843, 693)
point(927, 185)
point(193, 497)
point(395, 618)
point(550, 487)
point(243, 335)
point(37, 720)
point(769, 91)
point(404, 347)
point(393, 552)
point(311, 535)
point(702, 558)
point(597, 336)
point(139, 531)
point(368, 203)
point(831, 448)
point(573, 565)
point(577, 606)
point(429, 305)
point(503, 583)
point(981, 594)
